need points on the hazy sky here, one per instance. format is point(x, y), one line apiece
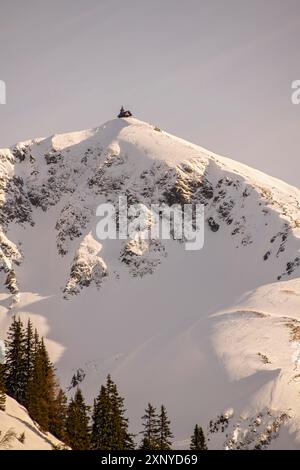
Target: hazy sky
point(216, 72)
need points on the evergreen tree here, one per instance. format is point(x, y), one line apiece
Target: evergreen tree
point(150, 434)
point(29, 354)
point(36, 343)
point(100, 420)
point(77, 423)
point(58, 415)
point(110, 426)
point(121, 439)
point(198, 439)
point(30, 378)
point(41, 387)
point(15, 361)
point(164, 432)
point(2, 388)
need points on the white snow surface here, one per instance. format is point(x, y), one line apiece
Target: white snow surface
point(15, 420)
point(208, 333)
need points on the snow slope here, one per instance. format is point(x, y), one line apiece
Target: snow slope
point(15, 421)
point(205, 332)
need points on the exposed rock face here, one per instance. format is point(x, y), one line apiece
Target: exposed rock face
point(87, 267)
point(142, 256)
point(58, 172)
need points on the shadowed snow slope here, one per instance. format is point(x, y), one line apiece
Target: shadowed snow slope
point(213, 334)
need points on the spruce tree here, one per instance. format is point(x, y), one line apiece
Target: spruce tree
point(15, 361)
point(150, 434)
point(41, 387)
point(77, 423)
point(164, 432)
point(198, 439)
point(110, 426)
point(58, 415)
point(29, 353)
point(121, 439)
point(2, 388)
point(100, 421)
point(31, 380)
point(36, 342)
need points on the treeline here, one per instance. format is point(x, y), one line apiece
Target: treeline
point(29, 377)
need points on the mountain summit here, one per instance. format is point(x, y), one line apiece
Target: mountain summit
point(214, 334)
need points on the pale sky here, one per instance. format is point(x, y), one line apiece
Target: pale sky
point(215, 72)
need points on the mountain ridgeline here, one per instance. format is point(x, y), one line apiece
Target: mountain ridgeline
point(218, 326)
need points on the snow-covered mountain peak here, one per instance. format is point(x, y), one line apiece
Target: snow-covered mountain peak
point(154, 309)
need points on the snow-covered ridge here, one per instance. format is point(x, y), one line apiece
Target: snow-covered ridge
point(73, 171)
point(153, 308)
